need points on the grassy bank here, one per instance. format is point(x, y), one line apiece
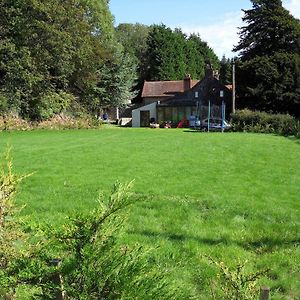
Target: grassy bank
point(230, 196)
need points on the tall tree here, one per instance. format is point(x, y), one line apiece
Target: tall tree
point(270, 28)
point(52, 48)
point(171, 55)
point(268, 74)
point(117, 77)
point(133, 38)
point(205, 51)
point(226, 70)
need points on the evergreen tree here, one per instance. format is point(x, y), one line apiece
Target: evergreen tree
point(117, 77)
point(206, 52)
point(268, 75)
point(133, 38)
point(171, 55)
point(225, 70)
point(270, 28)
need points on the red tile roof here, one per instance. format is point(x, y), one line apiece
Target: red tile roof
point(164, 88)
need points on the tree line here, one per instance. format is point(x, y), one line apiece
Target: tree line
point(55, 54)
point(67, 55)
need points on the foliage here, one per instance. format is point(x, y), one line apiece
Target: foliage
point(57, 122)
point(226, 71)
point(171, 55)
point(12, 238)
point(133, 37)
point(52, 103)
point(93, 265)
point(268, 74)
point(54, 51)
point(262, 122)
point(271, 29)
point(13, 122)
point(270, 83)
point(164, 54)
point(117, 80)
point(236, 284)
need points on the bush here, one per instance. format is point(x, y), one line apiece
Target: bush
point(52, 103)
point(12, 238)
point(57, 122)
point(68, 122)
point(262, 122)
point(13, 122)
point(93, 265)
point(235, 283)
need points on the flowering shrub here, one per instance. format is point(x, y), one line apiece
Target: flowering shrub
point(61, 121)
point(12, 122)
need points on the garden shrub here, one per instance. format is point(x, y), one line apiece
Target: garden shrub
point(52, 103)
point(262, 122)
point(57, 122)
point(93, 265)
point(63, 121)
point(13, 122)
point(235, 283)
point(12, 238)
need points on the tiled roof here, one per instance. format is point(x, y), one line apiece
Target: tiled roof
point(164, 88)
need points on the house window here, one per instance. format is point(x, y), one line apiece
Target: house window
point(196, 94)
point(168, 114)
point(181, 113)
point(174, 114)
point(221, 94)
point(160, 115)
point(188, 112)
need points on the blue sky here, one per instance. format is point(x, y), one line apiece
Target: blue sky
point(215, 20)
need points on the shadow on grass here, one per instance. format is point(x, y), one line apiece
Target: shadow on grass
point(181, 237)
point(262, 245)
point(269, 244)
point(192, 131)
point(293, 139)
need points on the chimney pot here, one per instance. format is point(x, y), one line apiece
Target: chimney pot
point(187, 82)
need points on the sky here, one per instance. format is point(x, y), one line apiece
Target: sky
point(216, 21)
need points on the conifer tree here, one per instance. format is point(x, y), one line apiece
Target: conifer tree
point(269, 73)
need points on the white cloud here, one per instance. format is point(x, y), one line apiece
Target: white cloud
point(293, 6)
point(221, 35)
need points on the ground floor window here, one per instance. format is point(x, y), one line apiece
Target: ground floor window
point(174, 114)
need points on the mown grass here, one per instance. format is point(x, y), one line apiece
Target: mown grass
point(231, 196)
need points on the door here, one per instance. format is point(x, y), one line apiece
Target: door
point(145, 118)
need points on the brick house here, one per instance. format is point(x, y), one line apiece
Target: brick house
point(173, 101)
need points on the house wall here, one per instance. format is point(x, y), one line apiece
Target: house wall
point(136, 122)
point(149, 100)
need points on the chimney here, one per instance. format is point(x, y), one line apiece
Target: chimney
point(216, 75)
point(187, 82)
point(209, 71)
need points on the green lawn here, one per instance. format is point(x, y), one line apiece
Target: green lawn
point(232, 196)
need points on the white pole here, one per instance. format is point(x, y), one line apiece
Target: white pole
point(233, 87)
point(117, 113)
